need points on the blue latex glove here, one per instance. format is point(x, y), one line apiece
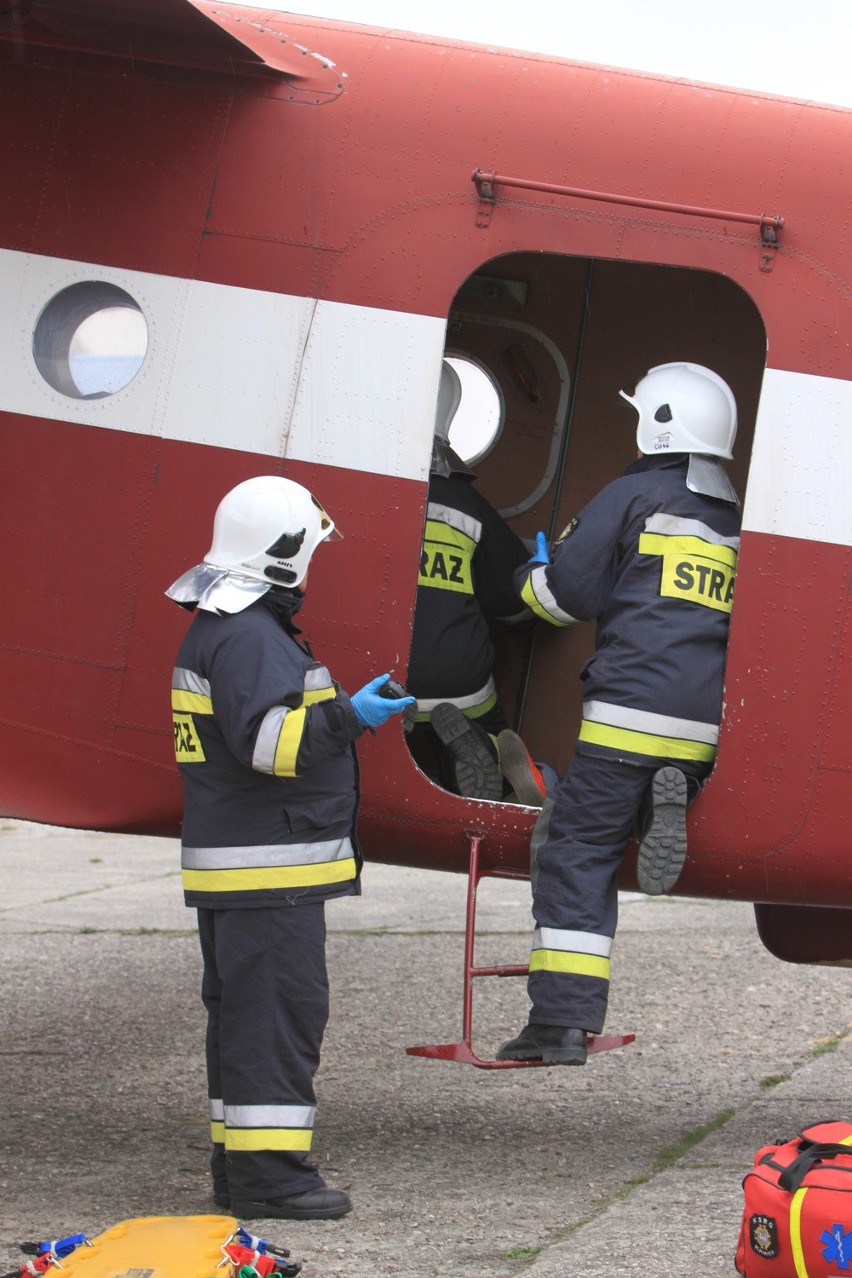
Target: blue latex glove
point(372, 709)
point(542, 554)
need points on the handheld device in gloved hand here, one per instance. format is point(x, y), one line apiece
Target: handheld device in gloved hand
point(376, 702)
point(392, 690)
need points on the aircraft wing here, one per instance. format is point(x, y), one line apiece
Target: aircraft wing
point(189, 33)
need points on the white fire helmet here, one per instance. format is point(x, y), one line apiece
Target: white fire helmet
point(264, 533)
point(267, 529)
point(684, 408)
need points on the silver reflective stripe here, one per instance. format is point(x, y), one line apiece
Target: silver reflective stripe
point(317, 678)
point(657, 725)
point(455, 519)
point(674, 526)
point(555, 938)
point(217, 1111)
point(544, 595)
point(189, 681)
point(270, 854)
point(269, 1115)
point(263, 759)
point(463, 703)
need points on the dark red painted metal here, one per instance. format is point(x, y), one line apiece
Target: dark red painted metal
point(463, 1052)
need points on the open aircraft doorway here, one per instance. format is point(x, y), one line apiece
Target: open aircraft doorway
point(559, 337)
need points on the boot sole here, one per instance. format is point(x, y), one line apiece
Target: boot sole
point(574, 1056)
point(662, 852)
point(515, 765)
point(476, 772)
point(264, 1211)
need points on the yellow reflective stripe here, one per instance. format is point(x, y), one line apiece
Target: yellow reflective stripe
point(269, 877)
point(796, 1233)
point(660, 544)
point(261, 1138)
point(217, 1131)
point(529, 598)
point(543, 605)
point(191, 702)
point(645, 743)
point(566, 961)
point(289, 740)
point(290, 736)
point(320, 694)
point(436, 530)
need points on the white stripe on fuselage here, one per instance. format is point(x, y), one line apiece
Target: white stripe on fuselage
point(353, 386)
point(798, 482)
point(326, 382)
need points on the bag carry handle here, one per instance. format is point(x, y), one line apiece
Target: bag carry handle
point(794, 1173)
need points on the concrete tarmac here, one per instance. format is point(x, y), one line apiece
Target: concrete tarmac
point(631, 1165)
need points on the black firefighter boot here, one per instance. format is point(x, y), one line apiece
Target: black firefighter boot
point(662, 851)
point(473, 757)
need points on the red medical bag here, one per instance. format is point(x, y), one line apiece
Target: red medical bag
point(797, 1220)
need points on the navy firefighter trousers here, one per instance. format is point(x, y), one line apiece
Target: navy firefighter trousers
point(265, 988)
point(577, 848)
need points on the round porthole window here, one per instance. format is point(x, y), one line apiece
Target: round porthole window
point(478, 422)
point(90, 340)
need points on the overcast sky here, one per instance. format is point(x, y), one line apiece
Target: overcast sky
point(797, 47)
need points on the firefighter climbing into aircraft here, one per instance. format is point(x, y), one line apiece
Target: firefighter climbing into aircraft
point(264, 740)
point(652, 559)
point(458, 732)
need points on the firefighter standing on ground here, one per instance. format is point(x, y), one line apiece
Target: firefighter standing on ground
point(467, 565)
point(653, 559)
point(264, 741)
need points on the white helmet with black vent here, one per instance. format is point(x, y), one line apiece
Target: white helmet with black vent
point(684, 408)
point(264, 533)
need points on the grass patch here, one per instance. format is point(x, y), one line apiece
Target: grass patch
point(526, 1254)
point(826, 1045)
point(671, 1153)
point(772, 1080)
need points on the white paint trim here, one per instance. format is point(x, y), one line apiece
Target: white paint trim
point(801, 461)
point(227, 367)
point(356, 387)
